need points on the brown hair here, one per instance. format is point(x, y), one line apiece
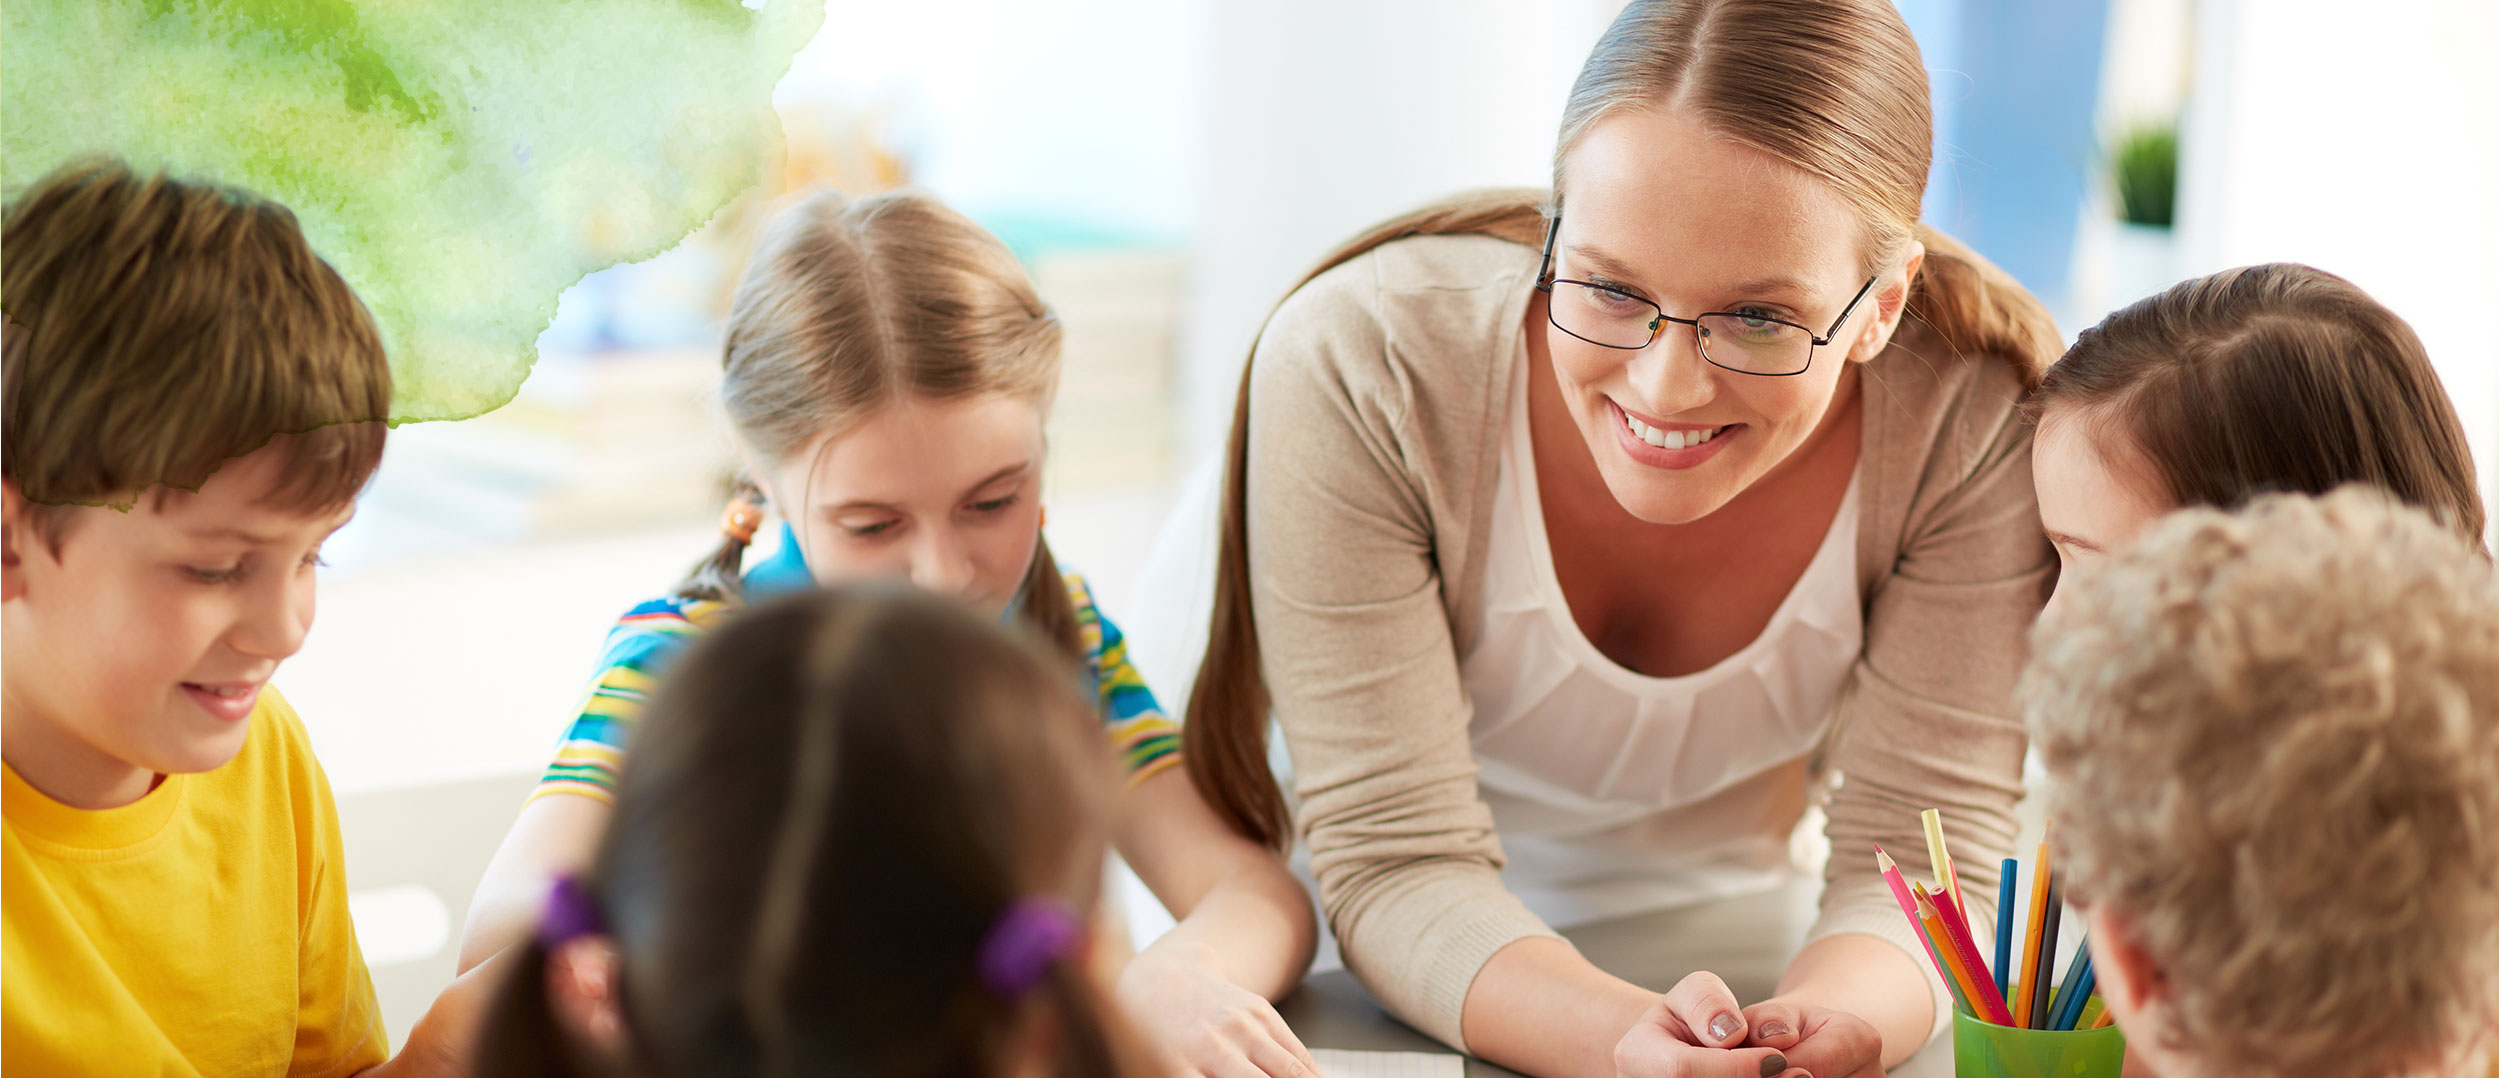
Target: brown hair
point(1835, 89)
point(833, 799)
point(2273, 744)
point(158, 328)
point(848, 306)
point(2278, 377)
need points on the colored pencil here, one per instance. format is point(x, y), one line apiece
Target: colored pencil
point(2005, 925)
point(2048, 952)
point(2106, 1019)
point(2027, 986)
point(1949, 923)
point(1947, 884)
point(2074, 990)
point(1961, 974)
point(2091, 1012)
point(1909, 909)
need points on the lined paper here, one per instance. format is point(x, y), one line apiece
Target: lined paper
point(1337, 1063)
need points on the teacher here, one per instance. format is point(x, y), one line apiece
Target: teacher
point(1579, 542)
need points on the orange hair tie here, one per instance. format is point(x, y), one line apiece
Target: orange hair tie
point(740, 520)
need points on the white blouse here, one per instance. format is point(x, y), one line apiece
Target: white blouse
point(1615, 792)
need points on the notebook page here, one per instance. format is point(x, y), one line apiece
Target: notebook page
point(1335, 1063)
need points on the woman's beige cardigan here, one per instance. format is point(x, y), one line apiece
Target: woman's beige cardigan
point(1377, 395)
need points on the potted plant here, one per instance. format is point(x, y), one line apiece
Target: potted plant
point(2144, 167)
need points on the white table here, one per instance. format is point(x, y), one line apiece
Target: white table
point(1746, 941)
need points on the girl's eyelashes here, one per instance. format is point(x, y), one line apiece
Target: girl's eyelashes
point(995, 505)
point(202, 574)
point(870, 531)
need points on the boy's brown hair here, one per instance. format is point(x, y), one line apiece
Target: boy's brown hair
point(158, 328)
point(2274, 754)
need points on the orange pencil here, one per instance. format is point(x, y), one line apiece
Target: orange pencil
point(1958, 953)
point(2105, 1019)
point(2029, 986)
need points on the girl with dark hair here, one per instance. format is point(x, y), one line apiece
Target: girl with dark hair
point(862, 834)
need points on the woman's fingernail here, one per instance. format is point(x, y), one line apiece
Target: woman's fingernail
point(1773, 1064)
point(1722, 1027)
point(1773, 1028)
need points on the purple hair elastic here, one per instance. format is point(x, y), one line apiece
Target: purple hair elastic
point(1029, 935)
point(571, 913)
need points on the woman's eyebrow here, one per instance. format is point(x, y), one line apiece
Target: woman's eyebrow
point(1601, 262)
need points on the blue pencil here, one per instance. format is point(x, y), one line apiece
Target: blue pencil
point(2005, 925)
point(2078, 986)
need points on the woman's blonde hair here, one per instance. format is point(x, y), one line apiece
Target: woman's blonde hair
point(2271, 742)
point(837, 800)
point(1834, 88)
point(846, 307)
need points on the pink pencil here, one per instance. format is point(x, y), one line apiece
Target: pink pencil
point(1909, 909)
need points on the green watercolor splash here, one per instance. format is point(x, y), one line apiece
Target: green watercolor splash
point(461, 162)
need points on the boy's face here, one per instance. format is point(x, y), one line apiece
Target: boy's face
point(142, 644)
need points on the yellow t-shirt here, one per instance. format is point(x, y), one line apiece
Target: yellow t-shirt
point(200, 930)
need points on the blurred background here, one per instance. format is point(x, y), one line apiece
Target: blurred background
point(1166, 168)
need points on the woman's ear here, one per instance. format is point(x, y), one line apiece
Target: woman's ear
point(1890, 298)
point(581, 993)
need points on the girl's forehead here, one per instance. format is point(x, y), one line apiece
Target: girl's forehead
point(919, 449)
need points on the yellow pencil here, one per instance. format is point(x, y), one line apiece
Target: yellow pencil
point(1946, 882)
point(2029, 986)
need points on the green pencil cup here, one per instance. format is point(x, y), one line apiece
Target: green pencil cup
point(1982, 1049)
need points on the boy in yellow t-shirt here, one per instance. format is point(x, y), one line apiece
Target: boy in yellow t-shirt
point(192, 401)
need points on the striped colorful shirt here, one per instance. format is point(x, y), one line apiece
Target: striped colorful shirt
point(648, 636)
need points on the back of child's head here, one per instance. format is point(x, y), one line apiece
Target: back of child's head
point(848, 306)
point(2271, 742)
point(158, 328)
point(2272, 378)
point(858, 827)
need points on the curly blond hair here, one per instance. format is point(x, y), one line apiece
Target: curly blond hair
point(2271, 741)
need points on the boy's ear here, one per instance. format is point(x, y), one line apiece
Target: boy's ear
point(13, 535)
point(581, 991)
point(2127, 978)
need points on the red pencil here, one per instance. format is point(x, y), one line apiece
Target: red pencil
point(1957, 931)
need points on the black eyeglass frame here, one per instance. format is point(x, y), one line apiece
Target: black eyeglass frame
point(1545, 282)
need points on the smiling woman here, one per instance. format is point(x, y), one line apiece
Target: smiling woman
point(1620, 550)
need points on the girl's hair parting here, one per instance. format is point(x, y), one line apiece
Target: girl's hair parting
point(848, 306)
point(2276, 377)
point(1832, 87)
point(835, 799)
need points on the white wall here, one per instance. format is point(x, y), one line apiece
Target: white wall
point(1325, 116)
point(2365, 141)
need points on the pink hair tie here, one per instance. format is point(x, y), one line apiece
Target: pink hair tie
point(1029, 936)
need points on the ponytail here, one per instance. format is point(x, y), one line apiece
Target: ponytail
point(519, 1037)
point(715, 578)
point(1224, 728)
point(1980, 309)
point(1093, 1039)
point(1046, 604)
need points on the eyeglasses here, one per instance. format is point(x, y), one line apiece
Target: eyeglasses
point(1747, 342)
